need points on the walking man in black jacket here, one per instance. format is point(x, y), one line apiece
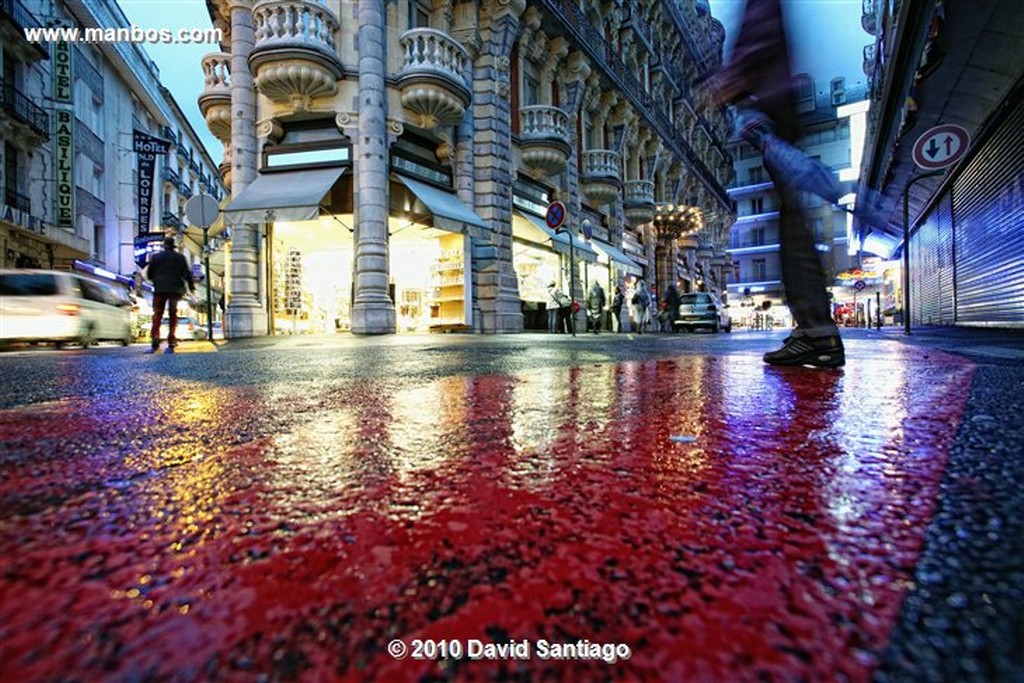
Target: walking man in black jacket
point(170, 275)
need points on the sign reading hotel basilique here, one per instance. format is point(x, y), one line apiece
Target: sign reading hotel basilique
point(64, 122)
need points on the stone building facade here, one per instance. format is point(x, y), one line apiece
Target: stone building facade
point(69, 172)
point(391, 163)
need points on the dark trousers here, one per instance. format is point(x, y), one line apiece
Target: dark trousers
point(160, 302)
point(803, 276)
point(564, 319)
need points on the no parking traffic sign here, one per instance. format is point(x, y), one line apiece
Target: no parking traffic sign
point(941, 146)
point(555, 215)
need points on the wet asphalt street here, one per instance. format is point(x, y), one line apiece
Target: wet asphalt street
point(662, 507)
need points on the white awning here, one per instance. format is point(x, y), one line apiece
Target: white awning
point(559, 240)
point(450, 212)
point(617, 256)
point(283, 196)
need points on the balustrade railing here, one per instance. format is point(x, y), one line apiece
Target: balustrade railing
point(217, 73)
point(601, 163)
point(639, 192)
point(542, 121)
point(283, 24)
point(428, 51)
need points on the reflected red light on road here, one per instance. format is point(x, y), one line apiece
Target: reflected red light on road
point(776, 541)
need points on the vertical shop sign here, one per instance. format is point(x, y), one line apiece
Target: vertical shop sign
point(64, 121)
point(147, 148)
point(62, 76)
point(65, 163)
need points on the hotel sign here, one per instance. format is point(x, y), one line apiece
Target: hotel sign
point(65, 167)
point(62, 76)
point(64, 122)
point(147, 148)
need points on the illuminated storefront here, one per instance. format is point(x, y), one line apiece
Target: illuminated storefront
point(310, 242)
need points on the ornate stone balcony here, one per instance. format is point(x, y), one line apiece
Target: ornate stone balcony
point(869, 60)
point(215, 100)
point(869, 16)
point(295, 59)
point(544, 139)
point(601, 180)
point(639, 201)
point(433, 77)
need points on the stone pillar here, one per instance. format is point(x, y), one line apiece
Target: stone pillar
point(246, 314)
point(497, 290)
point(665, 263)
point(373, 312)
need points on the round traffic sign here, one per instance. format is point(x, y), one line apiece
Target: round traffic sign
point(859, 285)
point(202, 210)
point(555, 215)
point(588, 230)
point(941, 146)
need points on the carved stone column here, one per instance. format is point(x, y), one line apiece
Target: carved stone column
point(497, 289)
point(373, 312)
point(246, 314)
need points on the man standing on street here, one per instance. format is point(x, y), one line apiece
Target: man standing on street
point(170, 275)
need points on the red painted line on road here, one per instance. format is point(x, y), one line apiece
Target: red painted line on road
point(552, 505)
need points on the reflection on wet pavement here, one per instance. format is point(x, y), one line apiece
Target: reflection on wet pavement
point(294, 530)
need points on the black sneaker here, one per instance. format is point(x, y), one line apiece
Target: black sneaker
point(822, 352)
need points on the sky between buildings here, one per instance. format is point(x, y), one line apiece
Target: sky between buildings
point(827, 41)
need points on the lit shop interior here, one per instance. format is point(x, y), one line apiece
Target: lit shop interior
point(310, 263)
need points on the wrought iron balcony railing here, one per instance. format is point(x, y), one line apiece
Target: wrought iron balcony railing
point(17, 201)
point(25, 110)
point(170, 220)
point(170, 175)
point(18, 14)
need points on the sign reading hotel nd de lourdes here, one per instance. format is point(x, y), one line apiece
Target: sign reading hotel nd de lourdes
point(147, 148)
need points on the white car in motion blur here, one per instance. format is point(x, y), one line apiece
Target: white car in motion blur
point(61, 307)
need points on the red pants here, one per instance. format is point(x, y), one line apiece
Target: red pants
point(160, 301)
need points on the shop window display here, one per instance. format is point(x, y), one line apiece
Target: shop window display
point(448, 301)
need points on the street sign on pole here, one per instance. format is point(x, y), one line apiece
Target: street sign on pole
point(555, 215)
point(941, 146)
point(202, 210)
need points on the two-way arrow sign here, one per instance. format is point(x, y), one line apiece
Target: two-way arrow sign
point(941, 146)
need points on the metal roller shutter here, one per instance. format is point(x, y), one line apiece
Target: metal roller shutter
point(944, 254)
point(988, 209)
point(926, 311)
